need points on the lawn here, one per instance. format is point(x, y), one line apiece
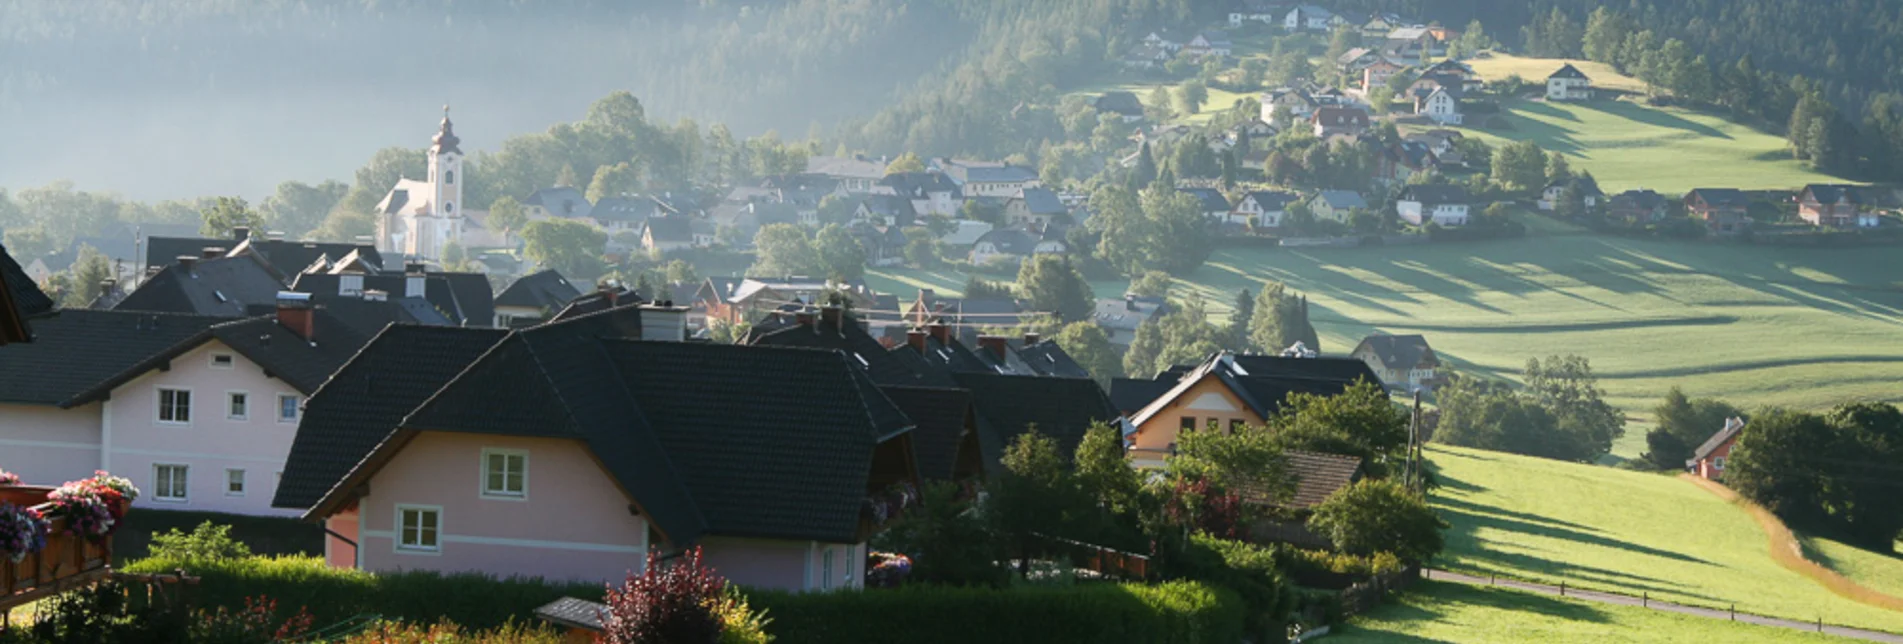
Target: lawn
point(1718, 320)
point(1448, 612)
point(1497, 66)
point(1622, 531)
point(1882, 572)
point(1220, 100)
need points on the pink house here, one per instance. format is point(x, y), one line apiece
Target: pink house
point(1709, 459)
point(199, 412)
point(572, 450)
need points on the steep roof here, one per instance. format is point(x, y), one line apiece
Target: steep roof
point(1211, 199)
point(346, 418)
point(1568, 71)
point(20, 299)
point(944, 418)
point(1733, 427)
point(1130, 395)
point(885, 367)
point(162, 250)
point(1272, 200)
point(670, 230)
point(1728, 197)
point(1396, 351)
point(918, 184)
point(1062, 408)
point(1435, 194)
point(894, 206)
point(545, 290)
point(1342, 199)
point(219, 286)
point(1261, 382)
point(474, 296)
point(1319, 476)
point(631, 209)
point(1831, 192)
point(1010, 241)
point(1041, 201)
point(75, 349)
point(560, 201)
point(288, 258)
point(302, 363)
point(1049, 359)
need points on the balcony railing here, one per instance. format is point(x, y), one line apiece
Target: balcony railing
point(69, 561)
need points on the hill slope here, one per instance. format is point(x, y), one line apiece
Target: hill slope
point(1622, 531)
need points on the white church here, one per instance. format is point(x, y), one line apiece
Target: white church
point(419, 217)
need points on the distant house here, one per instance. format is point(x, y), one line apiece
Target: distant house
point(884, 245)
point(1838, 205)
point(1401, 160)
point(1011, 243)
point(1146, 56)
point(1309, 17)
point(561, 202)
point(1355, 60)
point(678, 232)
point(743, 300)
point(1709, 459)
point(987, 178)
point(932, 193)
point(1568, 84)
point(1293, 103)
point(1254, 11)
point(219, 286)
point(1380, 25)
point(1121, 103)
point(1587, 189)
point(1335, 119)
point(535, 297)
point(1441, 141)
point(1450, 68)
point(1263, 208)
point(1377, 73)
point(1120, 317)
point(1636, 207)
point(1403, 361)
point(1723, 209)
point(856, 173)
point(1443, 205)
point(1227, 392)
point(1442, 105)
point(1423, 41)
point(886, 210)
point(627, 213)
point(1209, 42)
point(1215, 206)
point(1335, 205)
point(1037, 207)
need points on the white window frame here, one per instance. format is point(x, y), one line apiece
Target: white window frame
point(1718, 462)
point(482, 484)
point(396, 539)
point(158, 491)
point(159, 413)
point(230, 360)
point(826, 568)
point(297, 410)
point(243, 485)
point(247, 405)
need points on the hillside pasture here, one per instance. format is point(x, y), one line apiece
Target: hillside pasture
point(1497, 66)
point(1628, 532)
point(1220, 100)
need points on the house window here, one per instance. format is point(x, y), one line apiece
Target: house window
point(1189, 424)
point(238, 405)
point(449, 176)
point(234, 482)
point(1718, 462)
point(1235, 425)
point(168, 482)
point(826, 569)
point(418, 528)
point(505, 473)
point(221, 361)
point(175, 406)
point(287, 408)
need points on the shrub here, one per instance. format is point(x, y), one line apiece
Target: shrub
point(739, 623)
point(1380, 516)
point(446, 632)
point(333, 594)
point(102, 613)
point(257, 623)
point(665, 604)
point(1171, 613)
point(207, 542)
point(1251, 571)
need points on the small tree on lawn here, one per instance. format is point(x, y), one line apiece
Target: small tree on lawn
point(1380, 516)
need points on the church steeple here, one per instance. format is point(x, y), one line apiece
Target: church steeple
point(446, 137)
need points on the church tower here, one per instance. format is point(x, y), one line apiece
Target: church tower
point(446, 190)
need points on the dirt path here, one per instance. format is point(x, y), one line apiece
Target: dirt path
point(1787, 553)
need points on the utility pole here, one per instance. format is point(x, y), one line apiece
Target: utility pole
point(1413, 477)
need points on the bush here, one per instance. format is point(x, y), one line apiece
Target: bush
point(333, 594)
point(1380, 516)
point(207, 542)
point(1172, 613)
point(446, 632)
point(1251, 571)
point(668, 603)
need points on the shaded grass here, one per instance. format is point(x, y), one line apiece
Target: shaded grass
point(1448, 612)
point(1626, 532)
point(1498, 66)
point(1878, 571)
point(1787, 551)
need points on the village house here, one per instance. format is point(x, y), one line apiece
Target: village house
point(1336, 205)
point(533, 298)
point(987, 178)
point(1586, 190)
point(736, 300)
point(1401, 160)
point(1442, 205)
point(414, 295)
point(1225, 392)
point(1145, 56)
point(1263, 208)
point(560, 202)
point(677, 232)
point(932, 193)
point(1440, 105)
point(1310, 17)
point(1215, 206)
point(19, 301)
point(1255, 11)
point(1293, 104)
point(883, 245)
point(1333, 120)
point(1209, 42)
point(1036, 207)
point(1121, 103)
point(1377, 73)
point(1379, 25)
point(857, 174)
point(885, 210)
point(1838, 206)
point(1722, 209)
point(1421, 42)
point(1453, 69)
point(1404, 362)
point(1355, 60)
point(1636, 207)
point(207, 284)
point(1120, 317)
point(1012, 244)
point(1708, 460)
point(1568, 84)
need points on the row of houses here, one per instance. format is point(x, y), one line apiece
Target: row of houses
point(1726, 211)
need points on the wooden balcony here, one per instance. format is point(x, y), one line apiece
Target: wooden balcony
point(68, 561)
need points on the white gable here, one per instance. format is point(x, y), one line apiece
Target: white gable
point(1211, 401)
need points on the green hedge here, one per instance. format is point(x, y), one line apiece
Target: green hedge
point(1171, 613)
point(334, 594)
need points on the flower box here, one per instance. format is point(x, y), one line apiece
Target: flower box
point(67, 561)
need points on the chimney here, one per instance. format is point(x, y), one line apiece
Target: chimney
point(295, 313)
point(240, 233)
point(1030, 339)
point(414, 268)
point(374, 295)
point(415, 281)
point(830, 315)
point(211, 252)
point(915, 338)
point(995, 343)
point(804, 317)
point(939, 332)
point(187, 262)
point(1129, 302)
point(350, 283)
point(664, 323)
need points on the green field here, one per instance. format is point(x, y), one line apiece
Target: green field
point(1448, 612)
point(1628, 532)
point(1220, 100)
point(1754, 325)
point(1497, 66)
point(1881, 572)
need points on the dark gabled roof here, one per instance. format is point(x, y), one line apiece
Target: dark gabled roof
point(1010, 241)
point(368, 317)
point(942, 418)
point(1568, 71)
point(560, 201)
point(670, 229)
point(546, 290)
point(1272, 200)
point(1041, 201)
point(1062, 408)
point(165, 251)
point(346, 418)
point(76, 349)
point(885, 367)
point(1319, 476)
point(1048, 359)
point(1210, 198)
point(302, 364)
point(950, 357)
point(1435, 194)
point(1827, 193)
point(918, 184)
point(1733, 427)
point(1397, 351)
point(438, 291)
point(1340, 369)
point(20, 299)
point(1720, 197)
point(1130, 395)
point(629, 209)
point(288, 258)
point(475, 298)
point(894, 206)
point(1638, 200)
point(220, 286)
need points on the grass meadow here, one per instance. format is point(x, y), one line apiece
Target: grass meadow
point(1448, 612)
point(1629, 532)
